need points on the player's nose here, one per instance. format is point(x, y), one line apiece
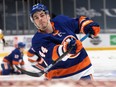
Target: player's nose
point(40, 18)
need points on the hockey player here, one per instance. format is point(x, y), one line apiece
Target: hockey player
point(2, 37)
point(56, 36)
point(14, 58)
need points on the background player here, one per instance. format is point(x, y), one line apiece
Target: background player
point(2, 37)
point(56, 36)
point(14, 58)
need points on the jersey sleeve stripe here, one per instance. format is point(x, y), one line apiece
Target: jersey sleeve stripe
point(84, 24)
point(55, 53)
point(83, 21)
point(33, 58)
point(15, 62)
point(30, 54)
point(60, 50)
point(22, 63)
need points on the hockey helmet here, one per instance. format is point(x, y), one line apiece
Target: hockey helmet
point(21, 45)
point(38, 7)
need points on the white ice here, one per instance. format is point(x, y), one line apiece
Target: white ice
point(103, 61)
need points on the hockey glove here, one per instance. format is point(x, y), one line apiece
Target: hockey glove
point(15, 70)
point(72, 42)
point(92, 28)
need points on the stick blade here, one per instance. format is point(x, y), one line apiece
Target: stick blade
point(30, 73)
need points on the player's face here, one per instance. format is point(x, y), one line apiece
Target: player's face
point(22, 49)
point(41, 20)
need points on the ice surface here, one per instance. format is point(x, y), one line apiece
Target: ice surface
point(104, 63)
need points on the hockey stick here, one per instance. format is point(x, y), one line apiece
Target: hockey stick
point(51, 65)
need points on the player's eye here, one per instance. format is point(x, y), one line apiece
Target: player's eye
point(34, 18)
point(42, 15)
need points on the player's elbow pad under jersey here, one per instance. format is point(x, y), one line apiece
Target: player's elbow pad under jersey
point(32, 57)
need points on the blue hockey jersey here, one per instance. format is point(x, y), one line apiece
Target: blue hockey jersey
point(48, 47)
point(14, 58)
